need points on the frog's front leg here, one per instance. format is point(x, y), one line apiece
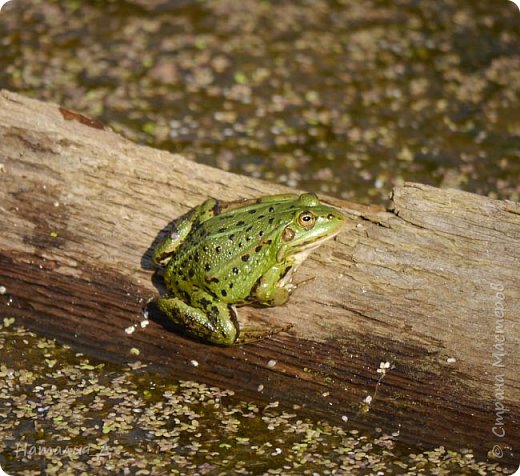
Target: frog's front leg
point(180, 229)
point(274, 287)
point(211, 321)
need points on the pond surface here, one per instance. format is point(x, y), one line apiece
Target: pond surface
point(63, 413)
point(343, 97)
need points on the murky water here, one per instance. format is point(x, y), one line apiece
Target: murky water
point(64, 413)
point(344, 97)
point(348, 98)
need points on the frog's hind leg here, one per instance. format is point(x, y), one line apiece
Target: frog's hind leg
point(181, 228)
point(215, 322)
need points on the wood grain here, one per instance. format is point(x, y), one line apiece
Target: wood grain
point(422, 285)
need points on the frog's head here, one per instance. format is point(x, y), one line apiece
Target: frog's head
point(311, 224)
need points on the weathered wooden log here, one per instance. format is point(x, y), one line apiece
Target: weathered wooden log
point(431, 286)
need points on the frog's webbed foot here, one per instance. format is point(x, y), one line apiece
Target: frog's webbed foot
point(250, 334)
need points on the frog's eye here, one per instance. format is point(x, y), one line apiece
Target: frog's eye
point(306, 220)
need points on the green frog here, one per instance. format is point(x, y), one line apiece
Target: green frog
point(220, 255)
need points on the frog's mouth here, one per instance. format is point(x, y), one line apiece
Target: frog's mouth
point(300, 251)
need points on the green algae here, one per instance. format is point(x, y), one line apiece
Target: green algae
point(70, 414)
point(341, 97)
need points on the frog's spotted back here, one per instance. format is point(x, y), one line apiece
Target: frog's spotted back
point(224, 254)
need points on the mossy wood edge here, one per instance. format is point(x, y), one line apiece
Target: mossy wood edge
point(421, 286)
